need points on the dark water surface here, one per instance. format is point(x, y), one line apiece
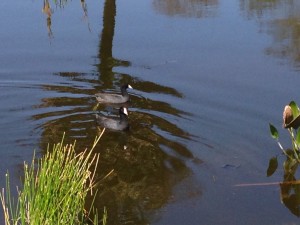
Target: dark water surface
point(208, 77)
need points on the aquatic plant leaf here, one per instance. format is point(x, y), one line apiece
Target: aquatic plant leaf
point(274, 132)
point(273, 164)
point(298, 139)
point(294, 124)
point(295, 109)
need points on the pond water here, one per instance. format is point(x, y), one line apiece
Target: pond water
point(208, 77)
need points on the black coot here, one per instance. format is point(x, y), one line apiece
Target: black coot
point(114, 98)
point(114, 123)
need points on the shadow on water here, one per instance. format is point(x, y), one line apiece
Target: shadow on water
point(148, 160)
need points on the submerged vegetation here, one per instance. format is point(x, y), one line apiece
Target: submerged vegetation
point(55, 188)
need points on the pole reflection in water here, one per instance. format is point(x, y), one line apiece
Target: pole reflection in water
point(147, 161)
point(107, 61)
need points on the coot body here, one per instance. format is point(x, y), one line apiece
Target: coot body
point(114, 123)
point(114, 98)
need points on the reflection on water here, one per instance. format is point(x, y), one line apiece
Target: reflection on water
point(289, 187)
point(85, 13)
point(107, 61)
point(148, 160)
point(283, 26)
point(259, 7)
point(290, 192)
point(48, 11)
point(286, 42)
point(188, 8)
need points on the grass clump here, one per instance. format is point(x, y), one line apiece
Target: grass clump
point(55, 188)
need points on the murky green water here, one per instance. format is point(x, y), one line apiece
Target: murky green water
point(208, 77)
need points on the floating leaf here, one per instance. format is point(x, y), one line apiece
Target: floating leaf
point(274, 132)
point(295, 109)
point(273, 164)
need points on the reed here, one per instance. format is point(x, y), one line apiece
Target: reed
point(54, 188)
